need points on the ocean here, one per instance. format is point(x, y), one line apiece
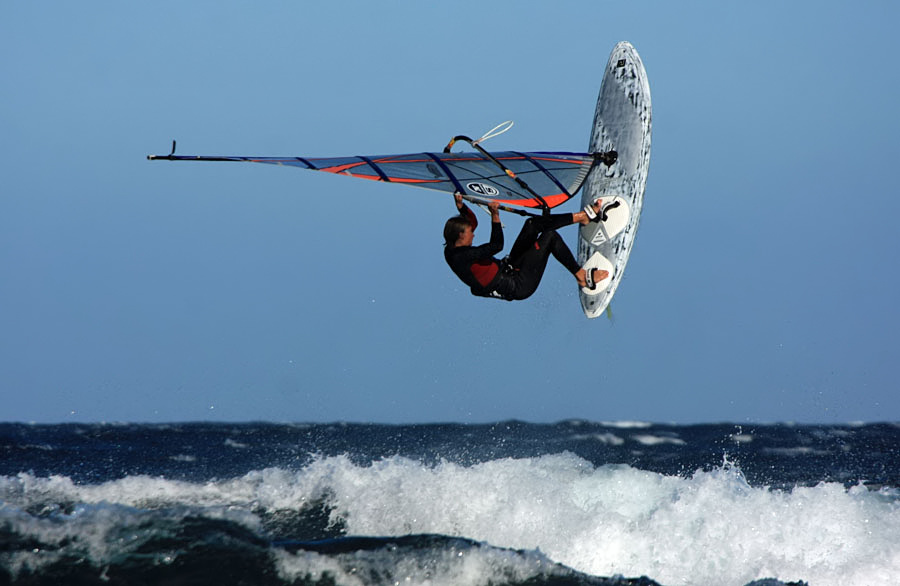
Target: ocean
point(515, 503)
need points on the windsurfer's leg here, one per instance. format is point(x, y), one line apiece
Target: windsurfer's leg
point(533, 262)
point(533, 229)
point(533, 265)
point(560, 251)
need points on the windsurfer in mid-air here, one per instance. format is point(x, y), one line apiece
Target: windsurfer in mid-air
point(518, 275)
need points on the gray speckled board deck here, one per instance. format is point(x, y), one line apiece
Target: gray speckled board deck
point(621, 123)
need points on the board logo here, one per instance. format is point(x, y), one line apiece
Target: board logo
point(599, 238)
point(482, 189)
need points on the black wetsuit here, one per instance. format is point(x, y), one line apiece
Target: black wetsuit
point(518, 275)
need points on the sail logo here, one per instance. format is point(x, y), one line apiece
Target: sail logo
point(482, 189)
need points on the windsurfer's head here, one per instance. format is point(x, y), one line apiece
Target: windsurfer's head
point(454, 228)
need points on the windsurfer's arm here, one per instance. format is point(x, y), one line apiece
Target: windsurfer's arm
point(494, 208)
point(496, 243)
point(464, 210)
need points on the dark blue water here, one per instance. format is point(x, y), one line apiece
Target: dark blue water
point(509, 503)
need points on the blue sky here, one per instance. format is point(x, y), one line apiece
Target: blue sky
point(761, 287)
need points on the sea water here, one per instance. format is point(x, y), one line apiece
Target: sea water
point(508, 503)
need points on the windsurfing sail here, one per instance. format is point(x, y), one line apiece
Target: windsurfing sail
point(520, 180)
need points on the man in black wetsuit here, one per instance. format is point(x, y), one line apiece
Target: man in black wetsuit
point(518, 275)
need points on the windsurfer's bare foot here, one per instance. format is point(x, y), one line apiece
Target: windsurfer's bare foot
point(598, 274)
point(584, 218)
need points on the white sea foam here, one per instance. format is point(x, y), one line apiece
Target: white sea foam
point(99, 532)
point(443, 567)
point(628, 424)
point(709, 528)
point(604, 438)
point(655, 440)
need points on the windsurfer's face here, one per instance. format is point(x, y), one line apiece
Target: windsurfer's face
point(466, 237)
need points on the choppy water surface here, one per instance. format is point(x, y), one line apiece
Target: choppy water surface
point(509, 503)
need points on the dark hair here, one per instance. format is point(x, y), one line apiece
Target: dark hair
point(453, 228)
